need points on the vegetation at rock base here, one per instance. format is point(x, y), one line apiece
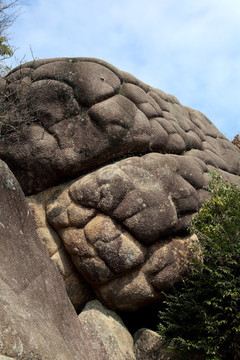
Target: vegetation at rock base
point(201, 315)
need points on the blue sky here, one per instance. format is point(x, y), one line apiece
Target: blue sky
point(188, 48)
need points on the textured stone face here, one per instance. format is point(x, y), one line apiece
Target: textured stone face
point(149, 346)
point(115, 224)
point(37, 320)
point(107, 333)
point(66, 116)
point(133, 163)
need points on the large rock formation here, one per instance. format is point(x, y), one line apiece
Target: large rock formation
point(37, 320)
point(114, 170)
point(67, 116)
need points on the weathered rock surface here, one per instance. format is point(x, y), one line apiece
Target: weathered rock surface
point(148, 345)
point(37, 320)
point(122, 168)
point(72, 115)
point(106, 332)
point(128, 255)
point(77, 288)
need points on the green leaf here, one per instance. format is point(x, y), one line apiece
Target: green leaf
point(201, 315)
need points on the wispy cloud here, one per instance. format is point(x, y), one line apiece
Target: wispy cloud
point(188, 48)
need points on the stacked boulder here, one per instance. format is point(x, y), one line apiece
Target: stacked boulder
point(113, 170)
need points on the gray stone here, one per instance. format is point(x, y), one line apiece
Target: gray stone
point(83, 112)
point(149, 346)
point(106, 332)
point(132, 164)
point(37, 320)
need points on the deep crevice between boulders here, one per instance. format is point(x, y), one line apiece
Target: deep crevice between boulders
point(146, 317)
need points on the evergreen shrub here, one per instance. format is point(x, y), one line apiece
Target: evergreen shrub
point(200, 318)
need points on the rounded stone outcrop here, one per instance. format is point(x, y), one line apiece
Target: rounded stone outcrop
point(107, 333)
point(113, 170)
point(121, 225)
point(69, 115)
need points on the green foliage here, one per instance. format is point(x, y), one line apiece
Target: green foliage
point(4, 48)
point(201, 315)
point(8, 14)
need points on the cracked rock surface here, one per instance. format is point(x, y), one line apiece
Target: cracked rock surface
point(113, 170)
point(69, 115)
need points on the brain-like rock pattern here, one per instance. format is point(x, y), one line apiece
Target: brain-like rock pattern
point(115, 170)
point(66, 116)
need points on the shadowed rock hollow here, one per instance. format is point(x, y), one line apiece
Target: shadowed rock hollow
point(113, 170)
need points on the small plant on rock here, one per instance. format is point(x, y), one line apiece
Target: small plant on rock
point(201, 315)
point(236, 140)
